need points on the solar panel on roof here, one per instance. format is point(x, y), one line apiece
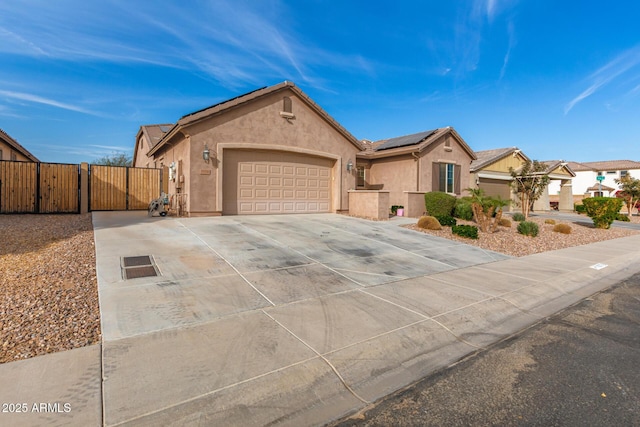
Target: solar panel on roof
point(404, 141)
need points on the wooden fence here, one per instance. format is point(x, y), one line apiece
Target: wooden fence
point(27, 187)
point(119, 188)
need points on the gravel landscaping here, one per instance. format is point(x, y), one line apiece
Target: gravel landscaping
point(508, 241)
point(48, 285)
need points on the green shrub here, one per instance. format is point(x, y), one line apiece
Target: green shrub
point(528, 228)
point(622, 217)
point(446, 220)
point(429, 223)
point(470, 231)
point(518, 217)
point(550, 221)
point(438, 203)
point(602, 210)
point(579, 208)
point(504, 222)
point(463, 209)
point(562, 228)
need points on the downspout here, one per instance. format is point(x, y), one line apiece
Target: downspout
point(415, 156)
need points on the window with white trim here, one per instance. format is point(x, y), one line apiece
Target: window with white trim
point(447, 179)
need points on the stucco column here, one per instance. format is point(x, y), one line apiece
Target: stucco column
point(566, 196)
point(542, 204)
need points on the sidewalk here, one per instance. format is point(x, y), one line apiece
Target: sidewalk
point(312, 360)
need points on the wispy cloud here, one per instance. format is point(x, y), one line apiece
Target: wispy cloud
point(512, 43)
point(604, 75)
point(233, 42)
point(45, 101)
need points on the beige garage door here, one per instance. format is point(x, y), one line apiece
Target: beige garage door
point(495, 188)
point(275, 183)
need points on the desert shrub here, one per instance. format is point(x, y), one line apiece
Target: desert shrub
point(504, 222)
point(429, 223)
point(550, 221)
point(602, 210)
point(463, 209)
point(518, 217)
point(579, 208)
point(562, 228)
point(622, 217)
point(446, 220)
point(438, 203)
point(469, 231)
point(528, 228)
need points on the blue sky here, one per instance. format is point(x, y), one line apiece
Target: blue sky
point(559, 79)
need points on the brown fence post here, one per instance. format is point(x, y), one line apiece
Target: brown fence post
point(84, 188)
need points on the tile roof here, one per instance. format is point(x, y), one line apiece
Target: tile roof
point(410, 143)
point(16, 146)
point(610, 165)
point(156, 132)
point(486, 157)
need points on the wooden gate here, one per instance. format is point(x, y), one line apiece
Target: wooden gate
point(114, 188)
point(59, 187)
point(18, 187)
point(27, 187)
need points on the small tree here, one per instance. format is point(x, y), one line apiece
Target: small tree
point(115, 159)
point(484, 208)
point(629, 191)
point(529, 183)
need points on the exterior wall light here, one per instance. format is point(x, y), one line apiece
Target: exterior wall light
point(349, 166)
point(206, 153)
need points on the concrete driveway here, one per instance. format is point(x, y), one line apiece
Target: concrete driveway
point(300, 319)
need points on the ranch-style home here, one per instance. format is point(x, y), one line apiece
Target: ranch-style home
point(586, 183)
point(275, 151)
point(10, 149)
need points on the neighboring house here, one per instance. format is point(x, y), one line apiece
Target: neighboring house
point(434, 160)
point(586, 184)
point(490, 171)
point(272, 150)
point(561, 177)
point(10, 149)
point(148, 137)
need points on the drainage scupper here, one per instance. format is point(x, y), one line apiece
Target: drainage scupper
point(134, 267)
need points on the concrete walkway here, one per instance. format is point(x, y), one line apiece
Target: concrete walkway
point(292, 320)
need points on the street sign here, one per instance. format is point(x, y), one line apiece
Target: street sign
point(600, 178)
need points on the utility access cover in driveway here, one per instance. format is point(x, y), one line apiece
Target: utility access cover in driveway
point(135, 267)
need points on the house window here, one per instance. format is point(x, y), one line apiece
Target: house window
point(611, 172)
point(0, 154)
point(623, 174)
point(446, 177)
point(599, 173)
point(360, 176)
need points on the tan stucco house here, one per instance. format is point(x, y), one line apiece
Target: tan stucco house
point(433, 160)
point(273, 150)
point(10, 149)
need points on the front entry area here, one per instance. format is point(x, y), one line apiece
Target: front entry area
point(258, 182)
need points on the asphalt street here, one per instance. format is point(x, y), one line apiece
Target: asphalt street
point(577, 368)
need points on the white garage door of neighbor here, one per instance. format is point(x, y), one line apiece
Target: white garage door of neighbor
point(282, 183)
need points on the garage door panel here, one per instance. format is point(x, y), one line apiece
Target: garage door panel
point(278, 183)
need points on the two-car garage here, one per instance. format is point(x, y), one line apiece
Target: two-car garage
point(275, 182)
